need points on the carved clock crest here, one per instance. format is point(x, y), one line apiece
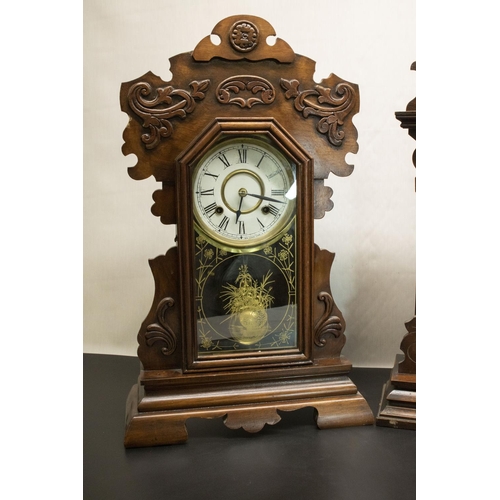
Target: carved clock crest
point(243, 322)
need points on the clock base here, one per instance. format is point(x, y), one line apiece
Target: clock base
point(336, 400)
point(398, 405)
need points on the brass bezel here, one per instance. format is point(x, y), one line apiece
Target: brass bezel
point(232, 174)
point(268, 237)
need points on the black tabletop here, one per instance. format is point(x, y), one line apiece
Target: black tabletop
point(291, 460)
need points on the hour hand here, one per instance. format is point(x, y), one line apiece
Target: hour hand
point(238, 212)
point(261, 197)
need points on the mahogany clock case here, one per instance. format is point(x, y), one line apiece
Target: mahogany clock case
point(241, 88)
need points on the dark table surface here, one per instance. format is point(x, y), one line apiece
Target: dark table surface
point(291, 460)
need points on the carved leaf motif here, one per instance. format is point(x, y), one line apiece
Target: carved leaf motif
point(161, 331)
point(327, 324)
point(333, 105)
point(199, 89)
point(164, 104)
point(291, 88)
point(233, 89)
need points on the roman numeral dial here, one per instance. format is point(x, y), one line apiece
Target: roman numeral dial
point(243, 193)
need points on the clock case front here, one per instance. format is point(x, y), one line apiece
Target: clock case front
point(268, 131)
point(220, 92)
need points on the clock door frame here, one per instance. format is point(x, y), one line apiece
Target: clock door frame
point(276, 134)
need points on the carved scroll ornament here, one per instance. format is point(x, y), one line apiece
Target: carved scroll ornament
point(327, 324)
point(165, 104)
point(245, 91)
point(332, 105)
point(161, 331)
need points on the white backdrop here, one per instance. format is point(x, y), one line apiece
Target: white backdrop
point(372, 226)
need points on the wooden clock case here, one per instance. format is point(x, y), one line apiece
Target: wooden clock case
point(398, 405)
point(241, 86)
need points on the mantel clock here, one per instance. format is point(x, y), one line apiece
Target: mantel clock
point(398, 405)
point(243, 322)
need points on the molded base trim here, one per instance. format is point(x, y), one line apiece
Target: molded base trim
point(155, 428)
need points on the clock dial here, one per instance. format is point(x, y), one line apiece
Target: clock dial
point(244, 193)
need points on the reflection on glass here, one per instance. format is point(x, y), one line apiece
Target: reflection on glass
point(246, 301)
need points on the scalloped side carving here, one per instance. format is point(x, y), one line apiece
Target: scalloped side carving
point(332, 105)
point(252, 421)
point(322, 201)
point(245, 91)
point(164, 104)
point(161, 331)
point(328, 324)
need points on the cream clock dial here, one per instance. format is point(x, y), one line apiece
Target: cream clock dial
point(244, 192)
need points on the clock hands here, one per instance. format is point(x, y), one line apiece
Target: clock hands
point(243, 192)
point(264, 198)
point(238, 212)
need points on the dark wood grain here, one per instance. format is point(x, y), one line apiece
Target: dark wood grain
point(239, 88)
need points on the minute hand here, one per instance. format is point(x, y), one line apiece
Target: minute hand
point(264, 198)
